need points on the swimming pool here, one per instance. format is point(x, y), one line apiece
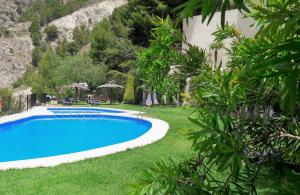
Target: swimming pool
point(46, 137)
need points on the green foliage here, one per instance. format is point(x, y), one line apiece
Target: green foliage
point(36, 36)
point(54, 71)
point(29, 78)
point(62, 48)
point(109, 46)
point(248, 114)
point(79, 68)
point(51, 32)
point(208, 8)
point(138, 15)
point(35, 32)
point(4, 32)
point(193, 62)
point(81, 35)
point(44, 80)
point(129, 96)
point(155, 62)
point(5, 93)
point(37, 54)
point(101, 39)
point(73, 48)
point(228, 31)
point(49, 10)
point(116, 77)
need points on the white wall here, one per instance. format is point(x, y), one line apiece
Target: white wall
point(200, 34)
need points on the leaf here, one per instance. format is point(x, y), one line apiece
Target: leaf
point(289, 93)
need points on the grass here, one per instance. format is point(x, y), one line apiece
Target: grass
point(110, 174)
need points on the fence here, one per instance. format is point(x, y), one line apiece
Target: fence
point(16, 104)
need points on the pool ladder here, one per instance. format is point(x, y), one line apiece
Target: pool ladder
point(140, 115)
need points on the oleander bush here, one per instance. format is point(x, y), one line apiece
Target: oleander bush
point(247, 114)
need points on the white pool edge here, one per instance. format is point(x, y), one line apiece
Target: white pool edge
point(158, 130)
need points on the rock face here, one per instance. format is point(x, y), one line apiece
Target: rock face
point(15, 58)
point(89, 16)
point(15, 49)
point(8, 13)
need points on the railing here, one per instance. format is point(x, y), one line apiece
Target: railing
point(15, 104)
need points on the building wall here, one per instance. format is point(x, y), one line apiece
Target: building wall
point(200, 34)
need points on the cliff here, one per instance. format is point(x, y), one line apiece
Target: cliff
point(89, 16)
point(15, 44)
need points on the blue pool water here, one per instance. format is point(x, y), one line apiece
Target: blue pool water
point(44, 136)
point(82, 110)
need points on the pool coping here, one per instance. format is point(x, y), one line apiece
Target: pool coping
point(158, 130)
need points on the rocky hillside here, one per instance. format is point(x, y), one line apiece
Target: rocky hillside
point(8, 13)
point(15, 43)
point(89, 16)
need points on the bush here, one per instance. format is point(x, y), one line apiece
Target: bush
point(35, 32)
point(50, 10)
point(52, 32)
point(4, 32)
point(129, 97)
point(81, 35)
point(37, 54)
point(5, 93)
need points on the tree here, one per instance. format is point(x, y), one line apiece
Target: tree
point(44, 80)
point(101, 39)
point(50, 10)
point(79, 68)
point(129, 96)
point(81, 35)
point(62, 48)
point(110, 46)
point(36, 56)
point(35, 32)
point(155, 63)
point(51, 32)
point(139, 16)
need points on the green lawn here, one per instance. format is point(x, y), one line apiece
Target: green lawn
point(110, 174)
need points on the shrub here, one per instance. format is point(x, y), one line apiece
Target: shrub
point(5, 93)
point(4, 32)
point(37, 54)
point(52, 32)
point(129, 91)
point(81, 35)
point(35, 32)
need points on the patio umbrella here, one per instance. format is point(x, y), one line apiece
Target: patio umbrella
point(77, 87)
point(110, 87)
